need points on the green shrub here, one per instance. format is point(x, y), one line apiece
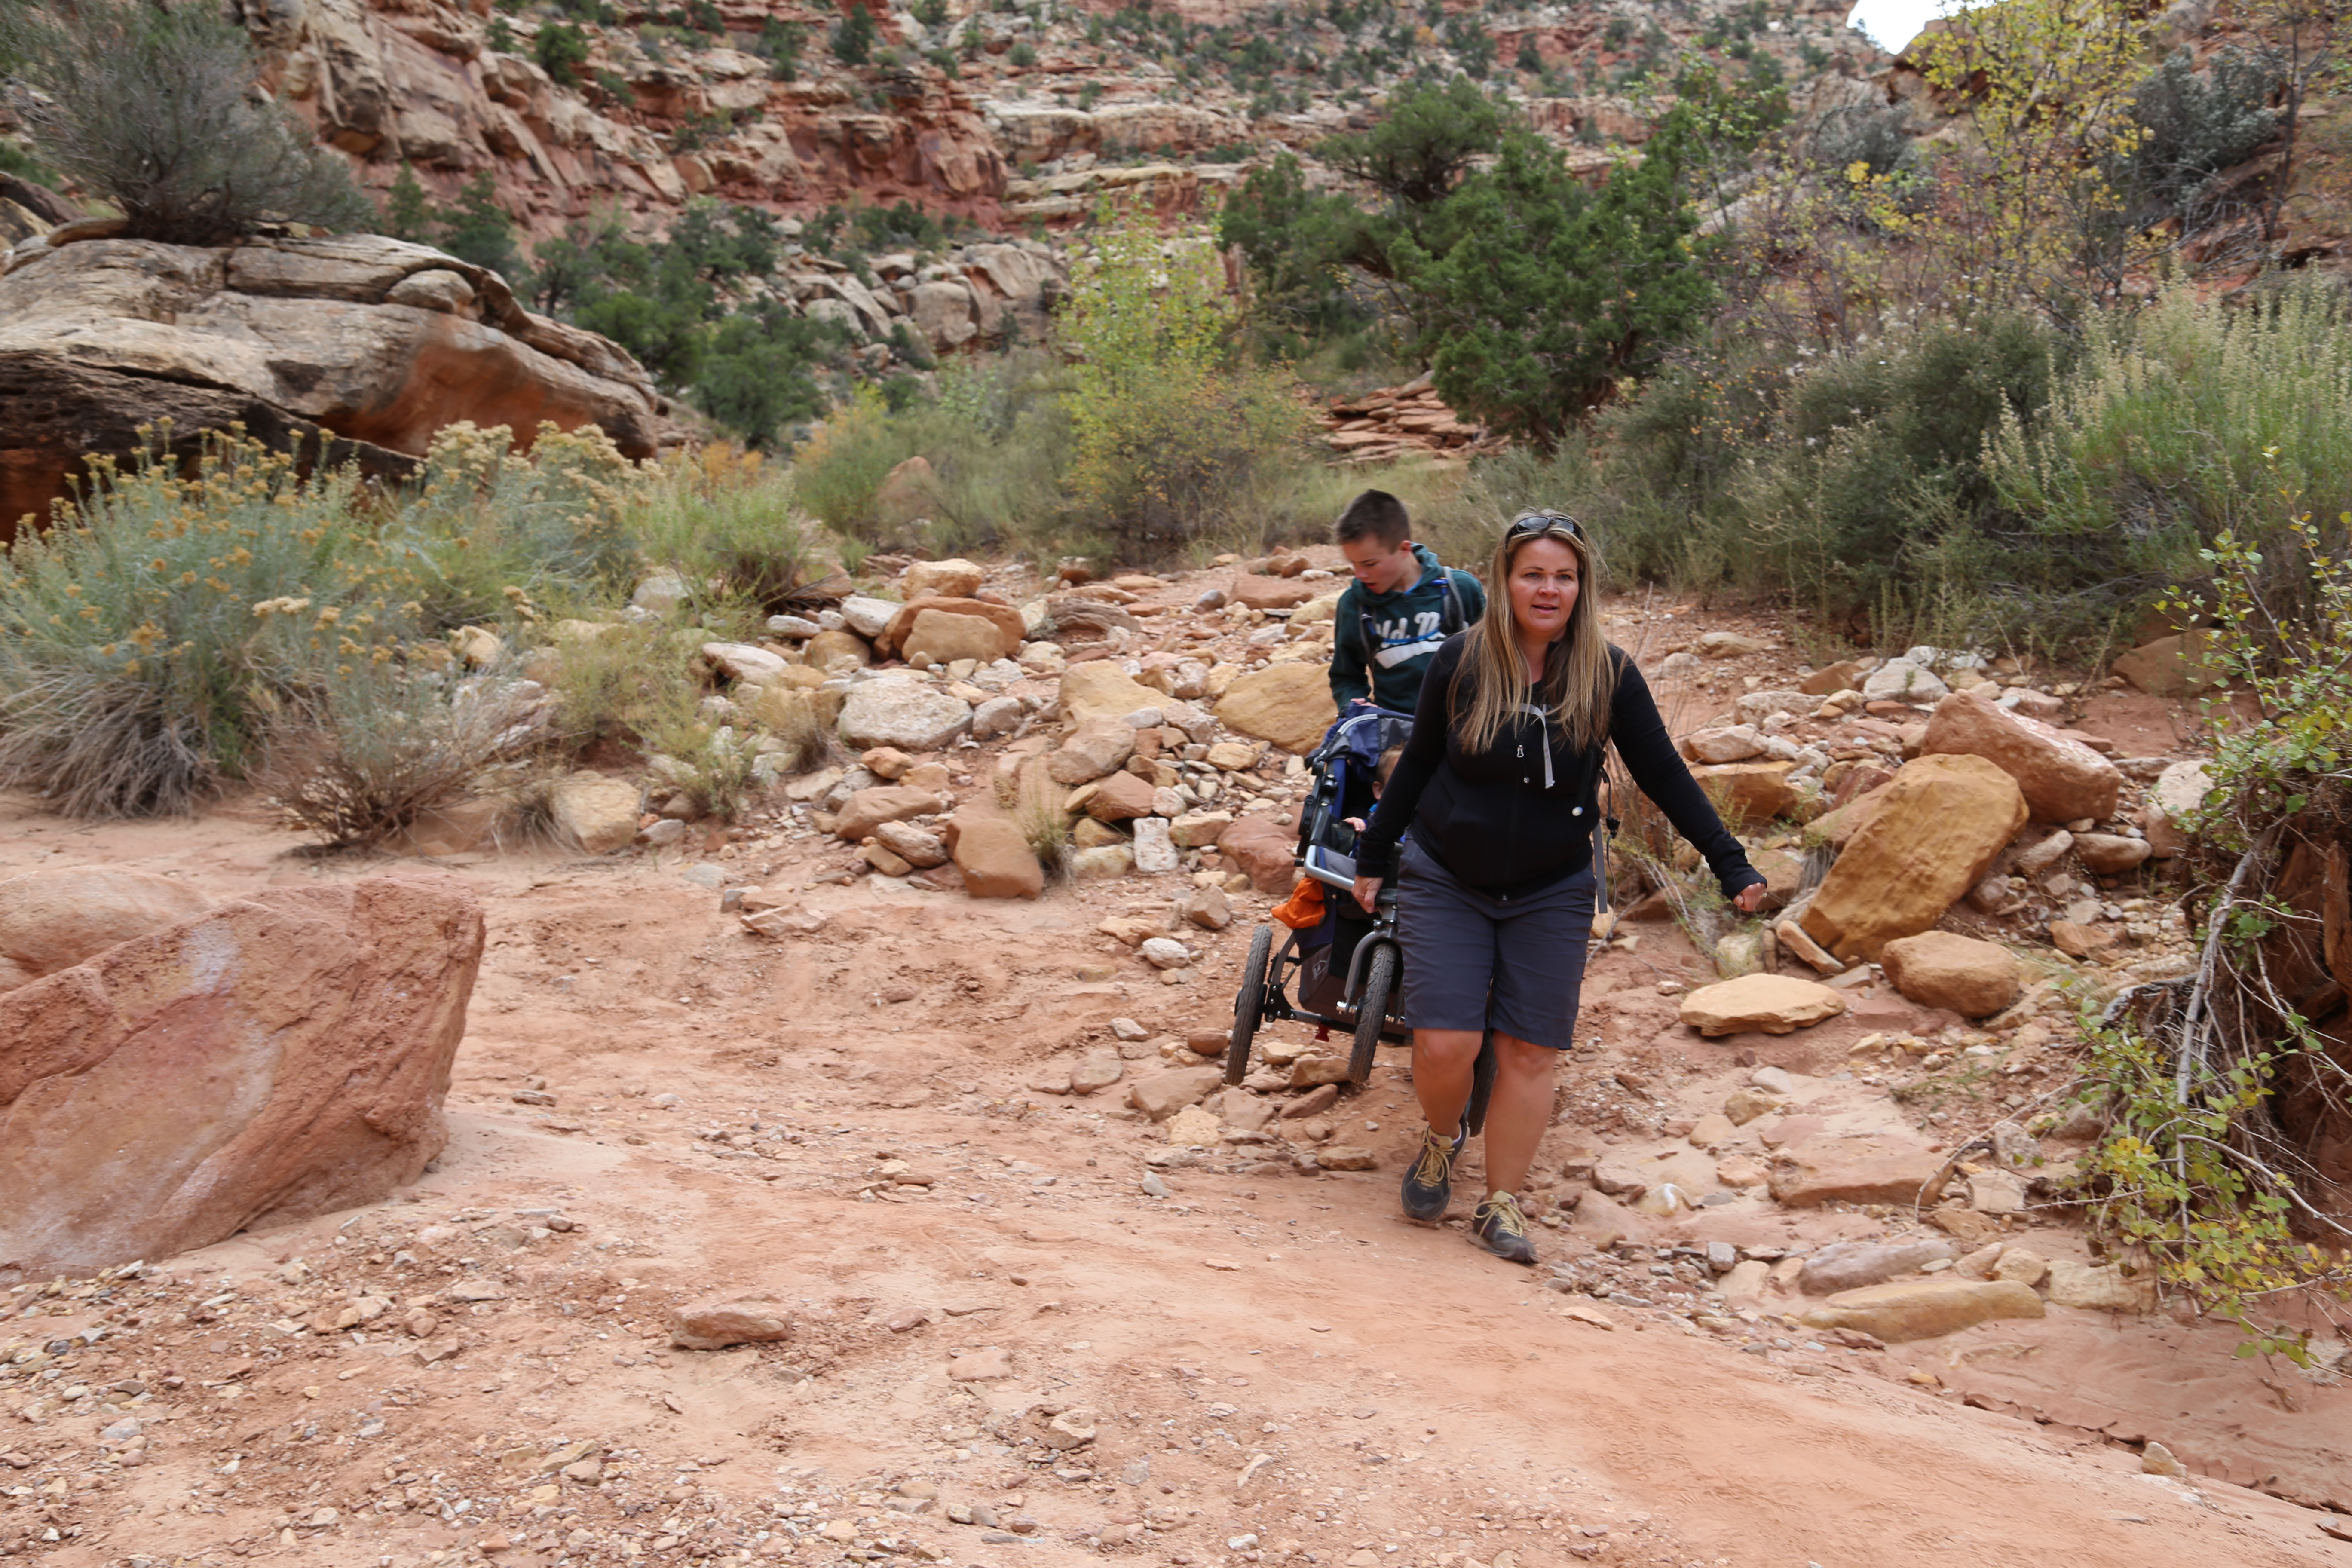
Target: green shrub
point(997, 434)
point(732, 530)
point(139, 633)
point(154, 110)
point(1876, 491)
point(1168, 436)
point(561, 49)
point(492, 531)
point(2192, 127)
point(1552, 294)
point(2221, 1090)
point(605, 681)
point(854, 36)
point(477, 230)
point(2182, 423)
point(16, 160)
point(753, 370)
point(780, 44)
point(757, 373)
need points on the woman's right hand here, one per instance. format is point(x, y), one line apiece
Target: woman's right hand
point(1368, 892)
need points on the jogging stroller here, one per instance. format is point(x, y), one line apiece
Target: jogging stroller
point(1348, 970)
point(1345, 970)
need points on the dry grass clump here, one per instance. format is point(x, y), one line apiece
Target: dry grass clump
point(358, 763)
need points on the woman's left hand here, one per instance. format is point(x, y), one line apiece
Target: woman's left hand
point(1750, 898)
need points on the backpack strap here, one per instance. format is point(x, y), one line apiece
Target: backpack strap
point(1451, 616)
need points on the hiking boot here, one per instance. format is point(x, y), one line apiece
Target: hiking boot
point(1429, 1181)
point(1502, 1229)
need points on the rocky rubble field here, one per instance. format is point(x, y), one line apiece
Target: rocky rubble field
point(836, 1187)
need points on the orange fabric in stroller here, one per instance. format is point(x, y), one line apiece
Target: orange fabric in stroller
point(1303, 908)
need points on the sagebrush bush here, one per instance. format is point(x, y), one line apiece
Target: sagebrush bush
point(139, 630)
point(489, 526)
point(2194, 126)
point(997, 437)
point(727, 523)
point(604, 681)
point(154, 108)
point(362, 755)
point(2182, 422)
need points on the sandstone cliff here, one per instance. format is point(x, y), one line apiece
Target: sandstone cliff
point(366, 344)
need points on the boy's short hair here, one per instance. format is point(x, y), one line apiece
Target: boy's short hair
point(1374, 514)
point(1385, 766)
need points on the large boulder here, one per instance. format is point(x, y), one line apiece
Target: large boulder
point(2062, 779)
point(1772, 1004)
point(55, 918)
point(2176, 794)
point(994, 856)
point(1264, 850)
point(1095, 747)
point(1289, 704)
point(367, 343)
point(1268, 593)
point(1099, 689)
point(908, 713)
point(1974, 978)
point(1932, 837)
point(943, 637)
point(596, 813)
point(1749, 794)
point(279, 1056)
point(952, 579)
point(1161, 1094)
point(1857, 1265)
point(897, 631)
point(868, 809)
point(1118, 798)
point(2171, 666)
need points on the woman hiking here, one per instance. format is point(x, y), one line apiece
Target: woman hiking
point(1499, 785)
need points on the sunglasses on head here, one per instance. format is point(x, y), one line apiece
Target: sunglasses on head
point(1540, 522)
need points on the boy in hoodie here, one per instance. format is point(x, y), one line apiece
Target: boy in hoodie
point(1401, 606)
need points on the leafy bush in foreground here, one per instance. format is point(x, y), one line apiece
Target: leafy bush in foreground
point(136, 632)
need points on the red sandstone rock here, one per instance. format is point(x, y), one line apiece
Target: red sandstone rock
point(55, 918)
point(278, 1057)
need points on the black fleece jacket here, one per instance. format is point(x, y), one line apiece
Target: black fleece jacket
point(1505, 822)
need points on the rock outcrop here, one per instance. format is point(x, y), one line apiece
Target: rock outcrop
point(1931, 837)
point(54, 918)
point(363, 345)
point(2063, 780)
point(277, 1058)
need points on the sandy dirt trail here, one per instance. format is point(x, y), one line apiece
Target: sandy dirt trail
point(1274, 1368)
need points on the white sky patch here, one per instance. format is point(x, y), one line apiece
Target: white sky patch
point(1893, 23)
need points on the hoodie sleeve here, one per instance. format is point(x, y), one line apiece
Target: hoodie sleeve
point(1649, 754)
point(1351, 680)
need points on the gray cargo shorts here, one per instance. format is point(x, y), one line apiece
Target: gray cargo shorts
point(1464, 950)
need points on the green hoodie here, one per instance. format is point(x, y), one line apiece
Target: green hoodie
point(1382, 643)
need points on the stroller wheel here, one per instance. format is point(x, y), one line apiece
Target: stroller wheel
point(1249, 1005)
point(1372, 1012)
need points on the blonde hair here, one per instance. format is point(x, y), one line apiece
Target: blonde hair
point(1580, 679)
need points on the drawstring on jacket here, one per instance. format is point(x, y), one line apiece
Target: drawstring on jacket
point(1543, 722)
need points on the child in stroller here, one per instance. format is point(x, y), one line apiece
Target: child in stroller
point(1342, 980)
point(1344, 923)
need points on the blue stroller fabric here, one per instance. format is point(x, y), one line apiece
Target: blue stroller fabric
point(1343, 765)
